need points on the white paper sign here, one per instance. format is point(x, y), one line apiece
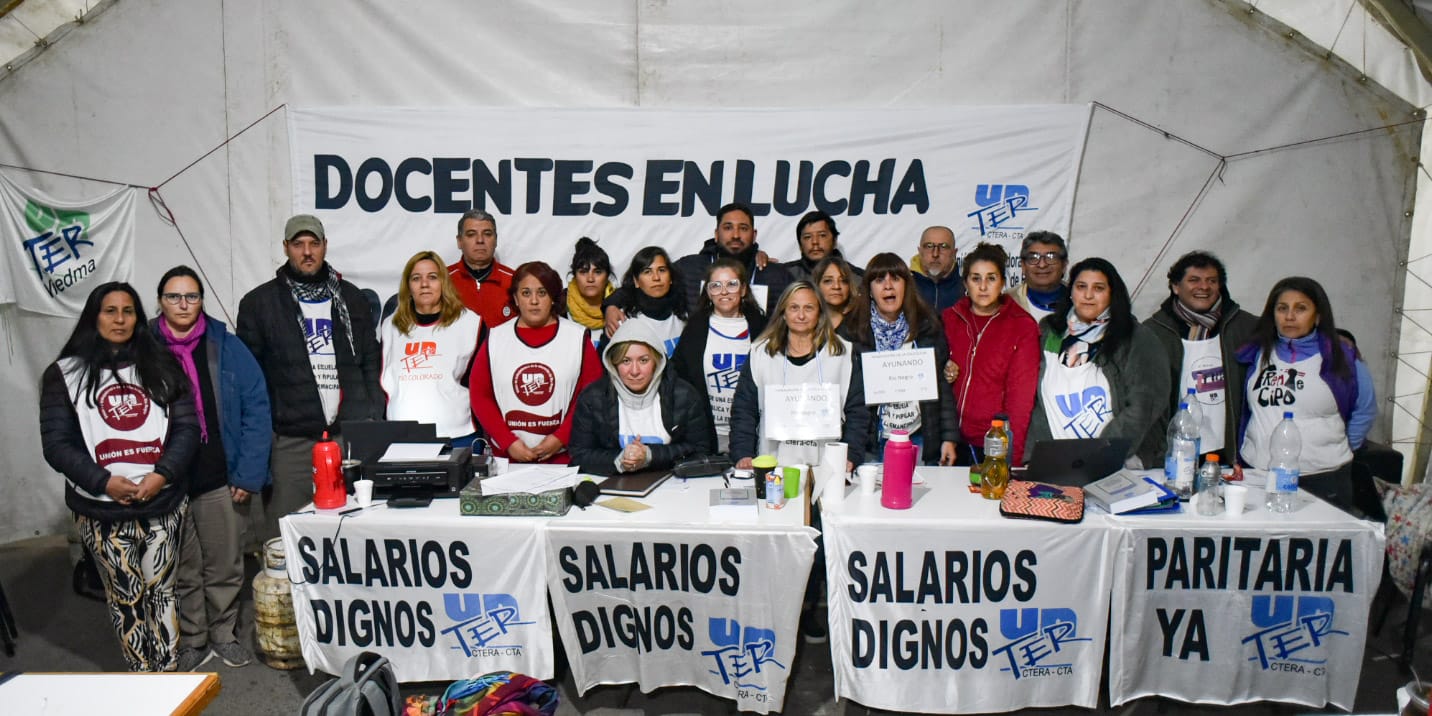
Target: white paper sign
point(803, 411)
point(712, 609)
point(444, 597)
point(906, 375)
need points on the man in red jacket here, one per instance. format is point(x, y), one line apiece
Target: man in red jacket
point(481, 282)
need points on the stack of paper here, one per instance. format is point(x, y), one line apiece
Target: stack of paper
point(530, 479)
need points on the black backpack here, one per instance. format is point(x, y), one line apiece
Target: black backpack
point(366, 688)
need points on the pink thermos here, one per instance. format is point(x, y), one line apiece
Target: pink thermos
point(899, 471)
point(328, 489)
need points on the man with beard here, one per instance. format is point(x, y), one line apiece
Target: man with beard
point(934, 269)
point(312, 333)
point(816, 236)
point(736, 239)
point(1200, 327)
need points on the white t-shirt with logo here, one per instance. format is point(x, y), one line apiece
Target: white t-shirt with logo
point(423, 370)
point(1282, 386)
point(318, 334)
point(728, 347)
point(1202, 370)
point(1076, 400)
point(124, 430)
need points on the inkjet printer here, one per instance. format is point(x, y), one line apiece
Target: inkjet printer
point(408, 483)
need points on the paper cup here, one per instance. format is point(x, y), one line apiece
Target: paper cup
point(363, 491)
point(865, 474)
point(1235, 497)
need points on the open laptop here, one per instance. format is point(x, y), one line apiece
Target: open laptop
point(1076, 463)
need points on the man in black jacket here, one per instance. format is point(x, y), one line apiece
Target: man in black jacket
point(1201, 327)
point(312, 333)
point(735, 238)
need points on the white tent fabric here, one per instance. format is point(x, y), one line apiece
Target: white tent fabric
point(151, 85)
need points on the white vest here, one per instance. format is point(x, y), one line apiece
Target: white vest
point(721, 366)
point(318, 334)
point(1203, 371)
point(777, 370)
point(422, 370)
point(1076, 400)
point(124, 430)
point(1283, 386)
point(533, 385)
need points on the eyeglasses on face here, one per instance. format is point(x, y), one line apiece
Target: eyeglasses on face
point(937, 247)
point(717, 287)
point(175, 299)
point(1048, 257)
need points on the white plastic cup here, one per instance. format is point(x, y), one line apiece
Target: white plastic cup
point(1235, 497)
point(866, 475)
point(363, 492)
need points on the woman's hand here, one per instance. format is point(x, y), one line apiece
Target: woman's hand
point(635, 455)
point(519, 452)
point(947, 453)
point(952, 371)
point(613, 318)
point(148, 487)
point(743, 464)
point(120, 489)
point(548, 448)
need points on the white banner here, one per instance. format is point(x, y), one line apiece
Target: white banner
point(389, 182)
point(56, 251)
point(714, 609)
point(443, 599)
point(1015, 620)
point(1240, 614)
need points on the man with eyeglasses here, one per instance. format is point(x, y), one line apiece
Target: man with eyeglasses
point(1201, 327)
point(1043, 257)
point(934, 269)
point(312, 334)
point(736, 239)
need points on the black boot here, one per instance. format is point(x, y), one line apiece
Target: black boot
point(86, 581)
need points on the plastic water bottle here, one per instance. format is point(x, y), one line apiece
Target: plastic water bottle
point(1196, 408)
point(1210, 487)
point(1181, 461)
point(994, 471)
point(1283, 451)
point(1004, 435)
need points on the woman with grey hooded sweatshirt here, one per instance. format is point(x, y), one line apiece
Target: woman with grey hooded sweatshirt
point(635, 417)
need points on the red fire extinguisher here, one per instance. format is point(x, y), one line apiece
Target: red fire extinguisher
point(328, 490)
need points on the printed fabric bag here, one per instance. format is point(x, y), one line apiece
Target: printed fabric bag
point(500, 693)
point(1409, 528)
point(1040, 501)
point(367, 687)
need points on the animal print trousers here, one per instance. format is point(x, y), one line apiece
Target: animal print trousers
point(138, 560)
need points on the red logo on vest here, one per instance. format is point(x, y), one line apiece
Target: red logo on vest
point(123, 406)
point(534, 383)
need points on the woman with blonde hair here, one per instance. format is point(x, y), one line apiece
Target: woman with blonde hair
point(428, 345)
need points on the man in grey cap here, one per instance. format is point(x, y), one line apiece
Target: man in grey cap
point(313, 335)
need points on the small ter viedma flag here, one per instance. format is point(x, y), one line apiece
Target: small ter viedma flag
point(53, 253)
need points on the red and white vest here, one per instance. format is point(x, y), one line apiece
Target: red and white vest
point(533, 385)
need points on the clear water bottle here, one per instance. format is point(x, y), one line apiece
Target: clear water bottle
point(1283, 451)
point(1196, 408)
point(1209, 494)
point(1181, 460)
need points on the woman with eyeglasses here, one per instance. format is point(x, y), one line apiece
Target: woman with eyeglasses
point(1042, 258)
point(528, 373)
point(1103, 374)
point(235, 434)
point(994, 346)
point(1296, 361)
point(117, 420)
point(717, 342)
point(890, 316)
point(427, 346)
point(838, 285)
point(650, 287)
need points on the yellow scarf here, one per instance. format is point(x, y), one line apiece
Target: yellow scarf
point(582, 312)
